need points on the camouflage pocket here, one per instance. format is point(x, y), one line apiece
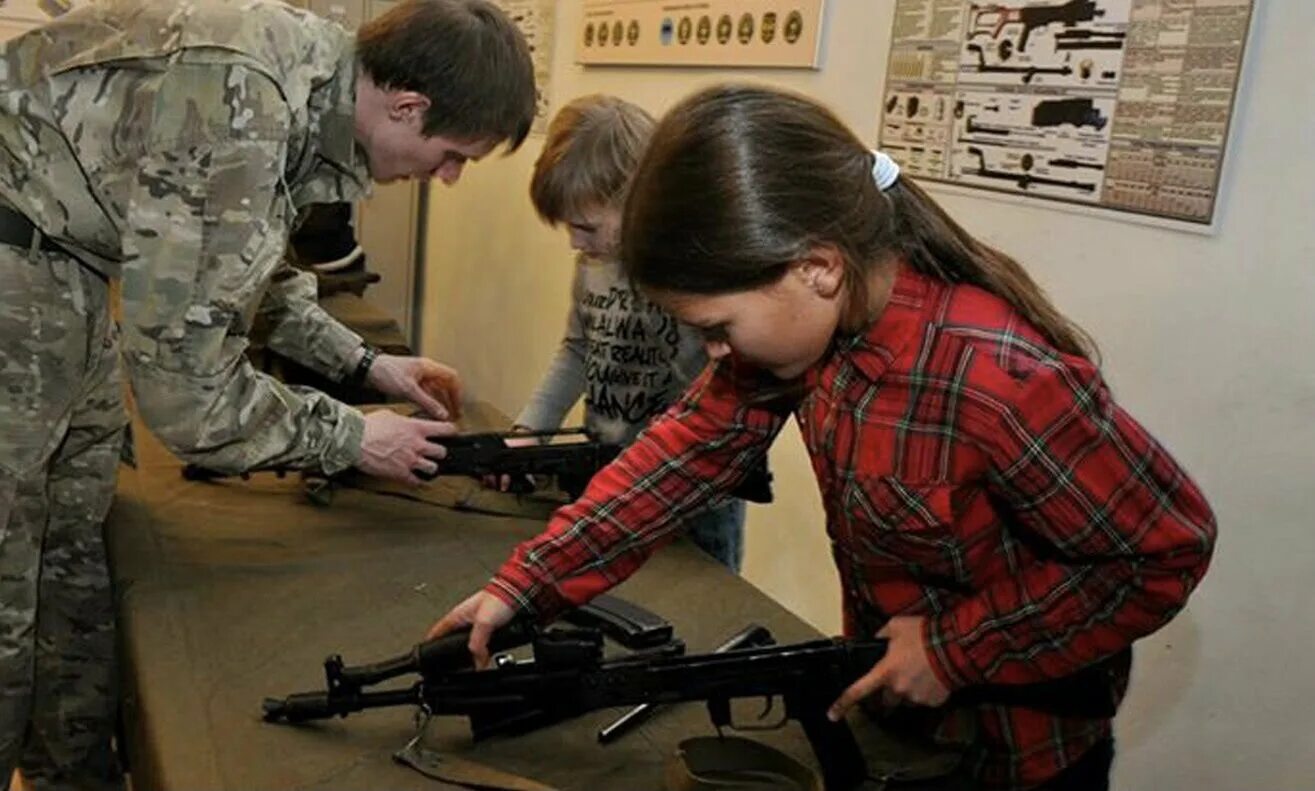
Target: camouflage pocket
point(41, 359)
point(8, 500)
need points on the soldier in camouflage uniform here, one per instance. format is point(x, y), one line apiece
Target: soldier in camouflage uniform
point(171, 145)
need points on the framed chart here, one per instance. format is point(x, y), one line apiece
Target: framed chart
point(1118, 104)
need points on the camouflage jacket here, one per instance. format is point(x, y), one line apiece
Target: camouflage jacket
point(171, 143)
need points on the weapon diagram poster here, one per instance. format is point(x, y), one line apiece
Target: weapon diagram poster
point(19, 16)
point(537, 20)
point(1121, 104)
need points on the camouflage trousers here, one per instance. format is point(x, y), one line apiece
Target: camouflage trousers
point(62, 423)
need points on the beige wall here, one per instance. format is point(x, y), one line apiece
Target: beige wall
point(497, 281)
point(1208, 340)
point(386, 222)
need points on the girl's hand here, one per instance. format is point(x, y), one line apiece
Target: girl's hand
point(483, 613)
point(904, 674)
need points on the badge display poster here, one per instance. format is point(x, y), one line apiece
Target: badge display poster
point(727, 33)
point(1119, 104)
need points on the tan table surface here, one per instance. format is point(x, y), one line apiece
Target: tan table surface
point(237, 590)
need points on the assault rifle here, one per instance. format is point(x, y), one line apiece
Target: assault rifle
point(1067, 14)
point(570, 455)
point(568, 676)
point(1031, 17)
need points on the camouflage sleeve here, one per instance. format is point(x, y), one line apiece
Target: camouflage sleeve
point(302, 330)
point(206, 226)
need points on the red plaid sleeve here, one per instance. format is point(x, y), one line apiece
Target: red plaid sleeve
point(1130, 535)
point(699, 449)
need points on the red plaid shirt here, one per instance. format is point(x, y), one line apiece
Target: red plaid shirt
point(971, 474)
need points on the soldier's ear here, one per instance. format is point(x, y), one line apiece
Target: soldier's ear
point(408, 107)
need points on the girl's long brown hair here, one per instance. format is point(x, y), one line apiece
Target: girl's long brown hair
point(739, 182)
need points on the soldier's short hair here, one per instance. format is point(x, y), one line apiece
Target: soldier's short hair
point(466, 56)
point(594, 145)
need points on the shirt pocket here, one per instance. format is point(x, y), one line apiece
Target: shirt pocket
point(897, 527)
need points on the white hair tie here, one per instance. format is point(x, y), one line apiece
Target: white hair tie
point(884, 170)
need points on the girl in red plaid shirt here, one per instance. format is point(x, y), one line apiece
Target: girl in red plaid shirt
point(993, 513)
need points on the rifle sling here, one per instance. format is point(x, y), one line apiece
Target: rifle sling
point(732, 762)
point(461, 772)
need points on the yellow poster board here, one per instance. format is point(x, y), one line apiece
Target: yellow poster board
point(725, 33)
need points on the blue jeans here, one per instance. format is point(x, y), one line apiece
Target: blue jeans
point(720, 533)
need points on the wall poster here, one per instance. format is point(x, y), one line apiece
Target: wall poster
point(1120, 104)
point(727, 33)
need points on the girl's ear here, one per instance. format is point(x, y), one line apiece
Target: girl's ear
point(822, 270)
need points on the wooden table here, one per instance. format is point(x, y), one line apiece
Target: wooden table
point(236, 590)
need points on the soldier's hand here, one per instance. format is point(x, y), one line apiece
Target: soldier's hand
point(430, 385)
point(396, 447)
point(483, 613)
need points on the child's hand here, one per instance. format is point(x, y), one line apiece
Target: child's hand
point(503, 483)
point(903, 675)
point(483, 613)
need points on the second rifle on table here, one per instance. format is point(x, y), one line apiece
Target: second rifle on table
point(571, 456)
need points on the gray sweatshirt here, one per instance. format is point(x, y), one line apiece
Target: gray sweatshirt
point(628, 358)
